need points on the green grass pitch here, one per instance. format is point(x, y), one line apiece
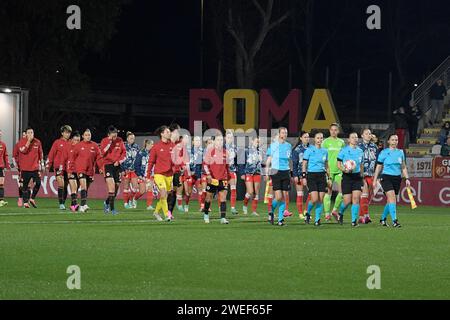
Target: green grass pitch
point(131, 256)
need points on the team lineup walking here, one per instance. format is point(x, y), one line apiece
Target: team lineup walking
point(170, 170)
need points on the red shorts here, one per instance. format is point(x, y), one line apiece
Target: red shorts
point(369, 181)
point(130, 175)
point(233, 175)
point(253, 178)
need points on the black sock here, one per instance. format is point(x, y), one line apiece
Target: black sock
point(26, 195)
point(223, 209)
point(111, 201)
point(60, 195)
point(171, 200)
point(73, 196)
point(83, 197)
point(107, 200)
point(2, 192)
point(20, 192)
point(206, 208)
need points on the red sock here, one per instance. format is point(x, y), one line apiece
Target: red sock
point(138, 195)
point(246, 199)
point(202, 200)
point(300, 202)
point(286, 198)
point(269, 203)
point(179, 200)
point(149, 198)
point(126, 196)
point(187, 198)
point(254, 204)
point(364, 206)
point(233, 197)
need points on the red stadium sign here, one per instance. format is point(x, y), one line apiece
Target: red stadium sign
point(441, 168)
point(427, 192)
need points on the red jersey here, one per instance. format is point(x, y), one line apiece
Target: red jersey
point(181, 157)
point(30, 156)
point(161, 158)
point(3, 156)
point(70, 165)
point(215, 163)
point(57, 156)
point(85, 155)
point(113, 151)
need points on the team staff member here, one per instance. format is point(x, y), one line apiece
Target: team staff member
point(31, 162)
point(4, 164)
point(315, 174)
point(178, 168)
point(352, 180)
point(333, 144)
point(370, 151)
point(297, 160)
point(72, 173)
point(57, 160)
point(251, 174)
point(217, 173)
point(130, 179)
point(113, 154)
point(278, 166)
point(160, 163)
point(86, 155)
point(392, 164)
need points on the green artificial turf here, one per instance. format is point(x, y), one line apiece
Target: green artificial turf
point(131, 256)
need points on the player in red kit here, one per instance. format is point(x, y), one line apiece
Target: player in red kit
point(16, 162)
point(113, 154)
point(217, 174)
point(31, 162)
point(57, 159)
point(71, 171)
point(86, 155)
point(4, 164)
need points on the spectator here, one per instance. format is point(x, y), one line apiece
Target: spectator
point(445, 133)
point(445, 150)
point(437, 94)
point(414, 115)
point(401, 126)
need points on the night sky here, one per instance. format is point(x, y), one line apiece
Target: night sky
point(157, 47)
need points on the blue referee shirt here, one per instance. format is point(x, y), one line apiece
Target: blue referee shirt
point(316, 159)
point(349, 153)
point(280, 153)
point(392, 161)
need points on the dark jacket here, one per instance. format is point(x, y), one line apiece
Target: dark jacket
point(401, 121)
point(438, 92)
point(445, 150)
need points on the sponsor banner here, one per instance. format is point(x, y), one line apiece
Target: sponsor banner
point(441, 168)
point(426, 192)
point(420, 167)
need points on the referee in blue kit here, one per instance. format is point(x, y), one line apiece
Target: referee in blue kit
point(391, 163)
point(316, 175)
point(278, 166)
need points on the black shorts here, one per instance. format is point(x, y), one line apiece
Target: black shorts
point(281, 180)
point(2, 173)
point(176, 182)
point(112, 172)
point(351, 182)
point(389, 183)
point(89, 179)
point(28, 175)
point(317, 181)
point(214, 189)
point(73, 176)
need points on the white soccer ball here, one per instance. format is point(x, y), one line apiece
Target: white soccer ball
point(349, 165)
